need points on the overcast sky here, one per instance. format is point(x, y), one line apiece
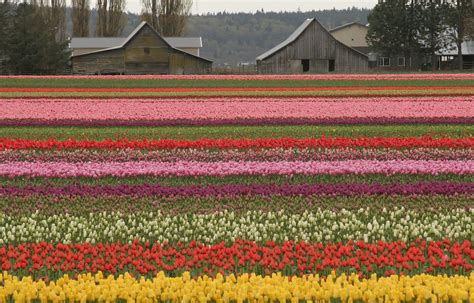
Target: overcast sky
point(213, 6)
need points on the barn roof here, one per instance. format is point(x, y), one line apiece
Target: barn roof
point(124, 41)
point(105, 42)
point(346, 25)
point(95, 42)
point(294, 36)
point(184, 42)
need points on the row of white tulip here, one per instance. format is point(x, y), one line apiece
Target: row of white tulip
point(324, 225)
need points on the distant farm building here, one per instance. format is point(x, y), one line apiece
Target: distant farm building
point(449, 58)
point(354, 35)
point(144, 51)
point(312, 49)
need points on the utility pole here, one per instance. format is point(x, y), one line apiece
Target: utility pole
point(197, 7)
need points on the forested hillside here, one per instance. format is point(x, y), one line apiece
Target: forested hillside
point(239, 38)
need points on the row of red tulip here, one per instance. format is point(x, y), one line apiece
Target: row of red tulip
point(243, 143)
point(291, 258)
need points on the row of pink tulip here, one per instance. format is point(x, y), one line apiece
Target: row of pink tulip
point(193, 168)
point(269, 77)
point(64, 109)
point(261, 155)
point(250, 99)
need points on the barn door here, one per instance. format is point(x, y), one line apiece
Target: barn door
point(332, 65)
point(305, 64)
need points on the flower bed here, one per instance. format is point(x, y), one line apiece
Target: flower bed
point(254, 189)
point(287, 143)
point(289, 258)
point(315, 226)
point(423, 288)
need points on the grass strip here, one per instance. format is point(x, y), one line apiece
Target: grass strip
point(252, 132)
point(144, 83)
point(247, 180)
point(82, 206)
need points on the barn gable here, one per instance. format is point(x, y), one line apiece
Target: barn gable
point(144, 51)
point(311, 49)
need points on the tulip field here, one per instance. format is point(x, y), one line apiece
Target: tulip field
point(237, 188)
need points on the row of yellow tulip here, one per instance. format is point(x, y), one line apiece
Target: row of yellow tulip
point(248, 287)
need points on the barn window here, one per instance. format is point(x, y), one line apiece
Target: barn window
point(305, 63)
point(146, 50)
point(401, 61)
point(332, 65)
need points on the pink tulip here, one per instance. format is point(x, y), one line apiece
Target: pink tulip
point(235, 108)
point(194, 168)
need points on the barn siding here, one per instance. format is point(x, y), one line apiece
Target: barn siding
point(317, 45)
point(99, 63)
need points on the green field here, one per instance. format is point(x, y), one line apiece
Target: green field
point(83, 206)
point(264, 131)
point(150, 83)
point(249, 180)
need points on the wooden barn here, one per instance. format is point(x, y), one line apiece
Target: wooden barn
point(312, 49)
point(144, 51)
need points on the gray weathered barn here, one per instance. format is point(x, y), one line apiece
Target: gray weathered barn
point(144, 51)
point(311, 49)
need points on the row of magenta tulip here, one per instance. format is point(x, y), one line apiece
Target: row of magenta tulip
point(445, 188)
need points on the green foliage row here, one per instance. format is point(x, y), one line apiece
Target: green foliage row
point(248, 180)
point(81, 206)
point(217, 83)
point(199, 132)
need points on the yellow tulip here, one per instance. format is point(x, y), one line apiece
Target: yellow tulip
point(248, 287)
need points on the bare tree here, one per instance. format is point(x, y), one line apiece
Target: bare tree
point(460, 19)
point(80, 18)
point(168, 17)
point(110, 18)
point(54, 12)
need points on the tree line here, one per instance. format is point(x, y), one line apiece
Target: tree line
point(411, 27)
point(33, 33)
point(168, 17)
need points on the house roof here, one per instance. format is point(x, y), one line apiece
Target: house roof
point(105, 42)
point(467, 48)
point(294, 36)
point(124, 41)
point(346, 25)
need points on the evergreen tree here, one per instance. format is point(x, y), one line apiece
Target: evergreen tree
point(433, 32)
point(31, 45)
point(394, 27)
point(4, 25)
